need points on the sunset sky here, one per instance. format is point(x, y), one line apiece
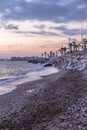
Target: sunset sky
point(29, 27)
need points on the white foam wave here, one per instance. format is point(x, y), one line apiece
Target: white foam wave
point(43, 71)
point(9, 85)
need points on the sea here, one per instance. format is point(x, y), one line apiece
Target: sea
point(13, 73)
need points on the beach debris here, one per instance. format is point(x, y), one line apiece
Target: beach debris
point(29, 91)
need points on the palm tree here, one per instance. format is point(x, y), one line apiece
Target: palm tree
point(45, 53)
point(42, 54)
point(64, 49)
point(56, 53)
point(70, 47)
point(61, 50)
point(74, 46)
point(51, 54)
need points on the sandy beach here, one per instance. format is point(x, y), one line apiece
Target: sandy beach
point(52, 103)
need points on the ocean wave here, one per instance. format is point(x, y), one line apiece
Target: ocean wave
point(8, 85)
point(43, 71)
point(4, 81)
point(39, 72)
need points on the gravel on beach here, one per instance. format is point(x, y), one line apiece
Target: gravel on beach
point(56, 102)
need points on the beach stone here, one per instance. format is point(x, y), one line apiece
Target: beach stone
point(70, 61)
point(59, 104)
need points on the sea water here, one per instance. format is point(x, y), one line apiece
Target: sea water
point(13, 73)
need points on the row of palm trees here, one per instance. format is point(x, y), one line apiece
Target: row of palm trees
point(72, 47)
point(62, 50)
point(51, 54)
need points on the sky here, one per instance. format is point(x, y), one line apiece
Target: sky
point(30, 27)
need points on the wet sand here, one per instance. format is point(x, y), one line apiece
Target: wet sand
point(44, 104)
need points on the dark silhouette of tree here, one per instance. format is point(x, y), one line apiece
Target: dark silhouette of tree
point(56, 53)
point(64, 49)
point(42, 54)
point(61, 50)
point(45, 53)
point(51, 54)
point(74, 46)
point(70, 47)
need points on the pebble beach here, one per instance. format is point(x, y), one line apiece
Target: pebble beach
point(55, 102)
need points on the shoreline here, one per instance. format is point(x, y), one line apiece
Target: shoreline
point(11, 84)
point(22, 89)
point(49, 99)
